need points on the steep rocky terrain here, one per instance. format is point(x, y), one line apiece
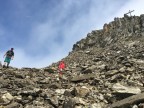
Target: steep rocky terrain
point(104, 70)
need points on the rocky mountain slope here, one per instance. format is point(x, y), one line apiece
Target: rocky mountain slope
point(104, 70)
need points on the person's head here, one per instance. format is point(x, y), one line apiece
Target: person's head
point(61, 62)
point(12, 49)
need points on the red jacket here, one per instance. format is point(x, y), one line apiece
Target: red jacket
point(61, 65)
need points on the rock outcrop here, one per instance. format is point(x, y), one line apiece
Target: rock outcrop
point(104, 70)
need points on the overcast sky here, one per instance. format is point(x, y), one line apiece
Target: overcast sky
point(44, 31)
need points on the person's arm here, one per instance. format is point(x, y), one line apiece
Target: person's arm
point(12, 56)
point(5, 54)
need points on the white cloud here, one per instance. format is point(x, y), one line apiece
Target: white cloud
point(84, 23)
point(42, 32)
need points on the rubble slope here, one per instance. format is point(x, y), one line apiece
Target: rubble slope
point(104, 70)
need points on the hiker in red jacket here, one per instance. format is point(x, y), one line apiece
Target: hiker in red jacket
point(61, 67)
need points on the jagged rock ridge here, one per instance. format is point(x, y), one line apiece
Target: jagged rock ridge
point(102, 70)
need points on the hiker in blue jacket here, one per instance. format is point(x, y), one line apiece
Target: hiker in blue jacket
point(9, 55)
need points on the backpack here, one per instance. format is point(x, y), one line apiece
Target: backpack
point(10, 53)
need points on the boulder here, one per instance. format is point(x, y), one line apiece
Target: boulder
point(118, 88)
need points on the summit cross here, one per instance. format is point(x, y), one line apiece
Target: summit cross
point(130, 11)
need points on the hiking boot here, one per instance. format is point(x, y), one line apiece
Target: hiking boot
point(3, 66)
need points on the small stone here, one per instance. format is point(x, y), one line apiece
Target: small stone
point(135, 106)
point(7, 97)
